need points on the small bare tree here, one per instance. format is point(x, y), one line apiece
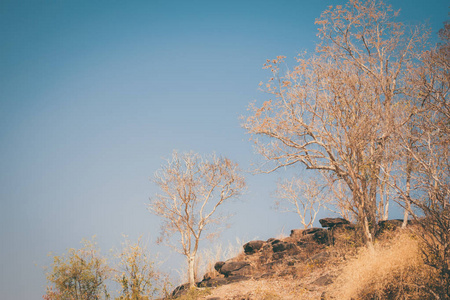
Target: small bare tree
point(303, 198)
point(192, 188)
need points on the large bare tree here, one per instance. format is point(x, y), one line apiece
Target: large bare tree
point(337, 110)
point(191, 190)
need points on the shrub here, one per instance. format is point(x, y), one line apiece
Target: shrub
point(80, 275)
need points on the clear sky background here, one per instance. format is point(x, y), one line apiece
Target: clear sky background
point(95, 94)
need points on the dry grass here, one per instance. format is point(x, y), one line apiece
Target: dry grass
point(219, 252)
point(391, 270)
point(263, 289)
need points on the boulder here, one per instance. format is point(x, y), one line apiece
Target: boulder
point(218, 281)
point(253, 246)
point(279, 247)
point(232, 267)
point(218, 265)
point(319, 258)
point(211, 275)
point(390, 224)
point(180, 290)
point(278, 255)
point(245, 271)
point(332, 222)
point(312, 230)
point(282, 246)
point(323, 280)
point(322, 237)
point(213, 282)
point(296, 233)
point(326, 296)
point(273, 241)
point(237, 278)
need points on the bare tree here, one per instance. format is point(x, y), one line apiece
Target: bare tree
point(303, 198)
point(192, 189)
point(427, 147)
point(337, 111)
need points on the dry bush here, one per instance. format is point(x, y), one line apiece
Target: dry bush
point(393, 269)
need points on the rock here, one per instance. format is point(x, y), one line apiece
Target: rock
point(319, 258)
point(213, 282)
point(253, 246)
point(311, 230)
point(180, 290)
point(237, 278)
point(326, 296)
point(323, 280)
point(332, 222)
point(390, 224)
point(278, 255)
point(245, 271)
point(296, 233)
point(210, 275)
point(232, 267)
point(322, 237)
point(267, 275)
point(279, 247)
point(283, 246)
point(267, 247)
point(272, 266)
point(218, 265)
point(274, 241)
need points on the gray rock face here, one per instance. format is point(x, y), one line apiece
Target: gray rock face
point(253, 246)
point(332, 222)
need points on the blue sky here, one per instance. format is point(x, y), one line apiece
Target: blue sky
point(94, 94)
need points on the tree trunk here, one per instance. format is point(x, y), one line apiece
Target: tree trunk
point(408, 189)
point(368, 238)
point(191, 270)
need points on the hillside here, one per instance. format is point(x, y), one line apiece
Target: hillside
point(310, 264)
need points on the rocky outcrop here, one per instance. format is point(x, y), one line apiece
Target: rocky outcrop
point(290, 256)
